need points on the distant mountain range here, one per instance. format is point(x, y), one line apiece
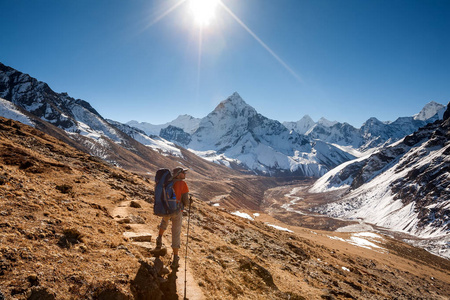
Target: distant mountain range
point(373, 132)
point(234, 134)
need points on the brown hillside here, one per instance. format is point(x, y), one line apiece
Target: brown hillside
point(67, 221)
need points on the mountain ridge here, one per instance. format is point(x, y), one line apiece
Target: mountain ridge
point(207, 144)
point(241, 138)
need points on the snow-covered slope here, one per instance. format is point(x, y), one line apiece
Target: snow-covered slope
point(403, 187)
point(430, 110)
point(10, 111)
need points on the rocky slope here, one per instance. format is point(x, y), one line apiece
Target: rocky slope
point(404, 187)
point(68, 218)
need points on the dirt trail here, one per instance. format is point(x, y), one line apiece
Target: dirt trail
point(122, 212)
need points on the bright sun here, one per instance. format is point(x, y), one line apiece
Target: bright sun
point(203, 11)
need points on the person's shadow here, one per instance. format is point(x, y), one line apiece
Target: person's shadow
point(154, 281)
point(169, 286)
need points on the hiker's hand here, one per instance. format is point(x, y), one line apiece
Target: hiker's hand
point(191, 200)
point(185, 199)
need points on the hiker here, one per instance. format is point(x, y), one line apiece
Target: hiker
point(182, 194)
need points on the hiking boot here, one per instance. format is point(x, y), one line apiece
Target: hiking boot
point(159, 242)
point(175, 262)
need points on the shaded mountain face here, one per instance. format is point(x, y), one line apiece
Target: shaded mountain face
point(405, 186)
point(172, 133)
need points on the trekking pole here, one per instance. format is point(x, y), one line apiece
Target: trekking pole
point(187, 240)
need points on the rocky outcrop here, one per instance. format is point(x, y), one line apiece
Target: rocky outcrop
point(176, 135)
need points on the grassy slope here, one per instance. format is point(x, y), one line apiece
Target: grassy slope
point(59, 237)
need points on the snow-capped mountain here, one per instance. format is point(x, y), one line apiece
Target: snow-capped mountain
point(188, 123)
point(430, 110)
point(302, 126)
point(403, 187)
point(327, 123)
point(236, 132)
point(155, 142)
point(75, 116)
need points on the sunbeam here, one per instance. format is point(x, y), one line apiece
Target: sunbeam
point(199, 62)
point(261, 42)
point(165, 13)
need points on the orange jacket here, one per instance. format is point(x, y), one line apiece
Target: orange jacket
point(180, 187)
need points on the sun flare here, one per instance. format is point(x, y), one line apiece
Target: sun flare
point(203, 11)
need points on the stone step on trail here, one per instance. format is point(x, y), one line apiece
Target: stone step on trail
point(138, 237)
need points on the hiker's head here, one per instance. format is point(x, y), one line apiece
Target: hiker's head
point(177, 171)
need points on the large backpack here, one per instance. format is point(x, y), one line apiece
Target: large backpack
point(165, 198)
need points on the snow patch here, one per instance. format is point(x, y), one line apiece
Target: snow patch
point(279, 227)
point(243, 215)
point(362, 239)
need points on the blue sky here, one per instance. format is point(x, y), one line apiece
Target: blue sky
point(342, 60)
